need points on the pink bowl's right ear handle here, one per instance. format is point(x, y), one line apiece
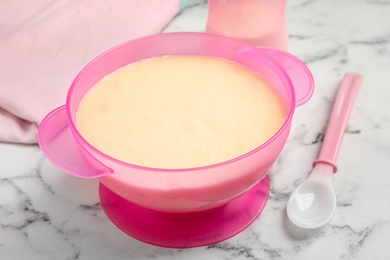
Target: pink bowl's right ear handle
point(298, 72)
point(58, 144)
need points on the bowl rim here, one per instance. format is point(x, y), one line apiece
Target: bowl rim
point(278, 69)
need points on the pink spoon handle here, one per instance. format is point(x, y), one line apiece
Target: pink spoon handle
point(338, 119)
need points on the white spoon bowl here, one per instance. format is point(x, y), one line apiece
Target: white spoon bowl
point(312, 204)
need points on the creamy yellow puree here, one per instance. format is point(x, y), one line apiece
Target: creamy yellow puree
point(180, 112)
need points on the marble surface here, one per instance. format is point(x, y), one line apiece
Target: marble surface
point(46, 214)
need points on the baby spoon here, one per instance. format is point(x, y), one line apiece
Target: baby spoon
point(312, 204)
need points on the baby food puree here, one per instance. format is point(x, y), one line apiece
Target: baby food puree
point(180, 112)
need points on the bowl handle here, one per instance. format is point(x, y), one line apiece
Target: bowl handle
point(59, 145)
point(299, 74)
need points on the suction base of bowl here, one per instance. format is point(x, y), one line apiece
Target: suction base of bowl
point(176, 231)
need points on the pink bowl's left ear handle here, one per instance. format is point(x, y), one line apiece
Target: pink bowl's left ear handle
point(59, 145)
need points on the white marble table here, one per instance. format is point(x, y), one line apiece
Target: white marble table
point(46, 214)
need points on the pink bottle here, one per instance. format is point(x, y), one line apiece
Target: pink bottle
point(258, 22)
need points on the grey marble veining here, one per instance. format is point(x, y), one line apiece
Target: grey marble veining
point(46, 214)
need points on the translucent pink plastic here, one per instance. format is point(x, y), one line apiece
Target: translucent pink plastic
point(342, 107)
point(258, 22)
point(175, 190)
point(178, 207)
point(185, 230)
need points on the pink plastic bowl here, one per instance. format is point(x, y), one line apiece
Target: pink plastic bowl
point(175, 190)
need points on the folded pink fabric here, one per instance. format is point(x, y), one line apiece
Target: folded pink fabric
point(45, 43)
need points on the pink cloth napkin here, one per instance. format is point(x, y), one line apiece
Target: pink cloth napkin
point(45, 43)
